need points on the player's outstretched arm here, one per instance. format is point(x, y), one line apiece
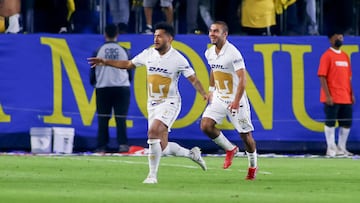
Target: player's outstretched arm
point(121, 64)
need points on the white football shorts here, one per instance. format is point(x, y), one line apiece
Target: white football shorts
point(166, 111)
point(241, 119)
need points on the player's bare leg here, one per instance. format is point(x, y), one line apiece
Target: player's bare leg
point(208, 127)
point(169, 14)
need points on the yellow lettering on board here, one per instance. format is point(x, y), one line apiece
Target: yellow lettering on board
point(264, 108)
point(298, 87)
point(61, 53)
point(4, 118)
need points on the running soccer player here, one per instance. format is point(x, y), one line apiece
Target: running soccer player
point(228, 98)
point(164, 66)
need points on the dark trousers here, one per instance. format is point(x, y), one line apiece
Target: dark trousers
point(108, 99)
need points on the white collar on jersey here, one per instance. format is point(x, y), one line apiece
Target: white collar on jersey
point(336, 51)
point(166, 54)
point(223, 48)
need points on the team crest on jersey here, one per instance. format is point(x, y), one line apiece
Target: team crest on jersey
point(158, 86)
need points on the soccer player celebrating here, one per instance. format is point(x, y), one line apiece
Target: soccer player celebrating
point(227, 82)
point(164, 66)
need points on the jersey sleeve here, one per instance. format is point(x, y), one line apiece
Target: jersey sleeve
point(350, 67)
point(99, 52)
point(140, 59)
point(237, 60)
point(184, 67)
point(208, 53)
point(324, 65)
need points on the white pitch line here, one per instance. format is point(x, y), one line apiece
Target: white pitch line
point(161, 164)
point(134, 162)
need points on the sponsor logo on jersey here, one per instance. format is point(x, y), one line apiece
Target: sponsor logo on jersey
point(341, 63)
point(239, 60)
point(158, 70)
point(217, 66)
point(112, 53)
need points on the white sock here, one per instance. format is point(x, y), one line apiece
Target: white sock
point(223, 142)
point(175, 149)
point(252, 159)
point(154, 156)
point(343, 136)
point(330, 136)
point(14, 26)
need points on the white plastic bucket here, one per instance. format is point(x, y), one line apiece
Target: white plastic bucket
point(41, 140)
point(63, 140)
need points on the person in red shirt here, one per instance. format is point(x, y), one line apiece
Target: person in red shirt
point(336, 94)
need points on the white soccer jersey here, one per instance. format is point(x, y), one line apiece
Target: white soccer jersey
point(224, 66)
point(163, 72)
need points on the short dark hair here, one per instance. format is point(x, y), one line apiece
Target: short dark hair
point(111, 30)
point(223, 24)
point(334, 31)
point(169, 29)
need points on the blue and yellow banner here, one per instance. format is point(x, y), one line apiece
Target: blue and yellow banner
point(44, 81)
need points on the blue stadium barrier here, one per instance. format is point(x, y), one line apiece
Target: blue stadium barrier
point(44, 82)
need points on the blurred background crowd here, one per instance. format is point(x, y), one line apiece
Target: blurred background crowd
point(244, 17)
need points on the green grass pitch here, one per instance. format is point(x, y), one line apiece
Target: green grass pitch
point(101, 179)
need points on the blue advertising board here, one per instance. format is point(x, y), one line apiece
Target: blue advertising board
point(44, 81)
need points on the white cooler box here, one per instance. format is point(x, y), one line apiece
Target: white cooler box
point(63, 140)
point(41, 140)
